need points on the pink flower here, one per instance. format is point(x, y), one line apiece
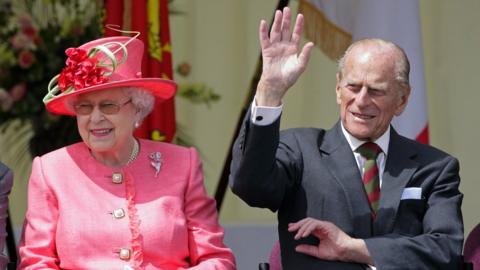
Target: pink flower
point(81, 71)
point(21, 41)
point(29, 31)
point(25, 59)
point(24, 20)
point(6, 100)
point(27, 37)
point(18, 91)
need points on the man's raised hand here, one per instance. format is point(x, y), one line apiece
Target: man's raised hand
point(283, 59)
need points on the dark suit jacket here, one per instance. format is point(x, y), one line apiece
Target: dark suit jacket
point(6, 181)
point(312, 173)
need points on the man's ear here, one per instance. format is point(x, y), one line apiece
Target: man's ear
point(337, 88)
point(403, 100)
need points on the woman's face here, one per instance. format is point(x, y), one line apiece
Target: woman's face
point(106, 120)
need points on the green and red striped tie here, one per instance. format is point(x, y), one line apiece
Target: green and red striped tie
point(371, 176)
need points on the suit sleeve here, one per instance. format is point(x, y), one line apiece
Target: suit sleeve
point(6, 182)
point(264, 168)
point(440, 244)
point(37, 246)
point(207, 251)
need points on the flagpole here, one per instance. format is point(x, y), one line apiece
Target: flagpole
point(223, 183)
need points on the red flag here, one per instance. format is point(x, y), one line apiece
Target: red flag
point(150, 18)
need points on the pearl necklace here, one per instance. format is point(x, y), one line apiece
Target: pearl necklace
point(135, 150)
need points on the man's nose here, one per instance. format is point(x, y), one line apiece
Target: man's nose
point(363, 97)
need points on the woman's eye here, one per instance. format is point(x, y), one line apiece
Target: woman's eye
point(84, 105)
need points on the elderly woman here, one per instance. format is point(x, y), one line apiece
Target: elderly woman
point(114, 201)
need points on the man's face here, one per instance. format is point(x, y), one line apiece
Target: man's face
point(368, 94)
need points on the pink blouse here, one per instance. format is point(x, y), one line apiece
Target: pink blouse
point(79, 218)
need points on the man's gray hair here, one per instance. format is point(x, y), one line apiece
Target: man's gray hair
point(402, 65)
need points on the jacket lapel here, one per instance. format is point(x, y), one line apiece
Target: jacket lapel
point(341, 163)
point(399, 169)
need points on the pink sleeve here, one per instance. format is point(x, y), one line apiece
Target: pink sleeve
point(37, 246)
point(6, 181)
point(207, 250)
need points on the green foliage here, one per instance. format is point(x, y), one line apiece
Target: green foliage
point(33, 40)
point(198, 93)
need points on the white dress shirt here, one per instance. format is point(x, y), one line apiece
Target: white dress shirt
point(382, 142)
point(263, 116)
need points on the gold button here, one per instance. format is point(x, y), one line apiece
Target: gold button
point(124, 254)
point(118, 213)
point(117, 178)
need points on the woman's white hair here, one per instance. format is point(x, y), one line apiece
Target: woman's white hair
point(141, 99)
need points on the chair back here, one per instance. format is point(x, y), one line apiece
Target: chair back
point(275, 259)
point(471, 250)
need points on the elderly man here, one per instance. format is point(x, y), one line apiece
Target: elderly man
point(357, 196)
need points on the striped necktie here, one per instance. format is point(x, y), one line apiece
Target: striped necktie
point(371, 177)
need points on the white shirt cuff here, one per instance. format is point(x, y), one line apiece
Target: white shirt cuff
point(264, 116)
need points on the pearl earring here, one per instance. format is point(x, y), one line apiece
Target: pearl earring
point(136, 125)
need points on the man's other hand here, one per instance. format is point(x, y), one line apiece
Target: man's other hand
point(334, 245)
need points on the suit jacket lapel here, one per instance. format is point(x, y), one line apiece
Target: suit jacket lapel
point(399, 169)
point(340, 161)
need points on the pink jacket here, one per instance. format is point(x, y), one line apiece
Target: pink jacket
point(78, 218)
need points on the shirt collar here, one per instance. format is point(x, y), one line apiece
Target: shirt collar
point(354, 143)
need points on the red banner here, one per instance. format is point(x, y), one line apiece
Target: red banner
point(150, 18)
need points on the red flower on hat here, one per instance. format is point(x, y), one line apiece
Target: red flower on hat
point(75, 56)
point(81, 71)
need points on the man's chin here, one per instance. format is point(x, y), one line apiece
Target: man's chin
point(363, 135)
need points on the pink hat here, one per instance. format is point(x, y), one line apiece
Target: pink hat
point(101, 64)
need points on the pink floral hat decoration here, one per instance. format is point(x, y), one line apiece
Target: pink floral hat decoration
point(102, 64)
